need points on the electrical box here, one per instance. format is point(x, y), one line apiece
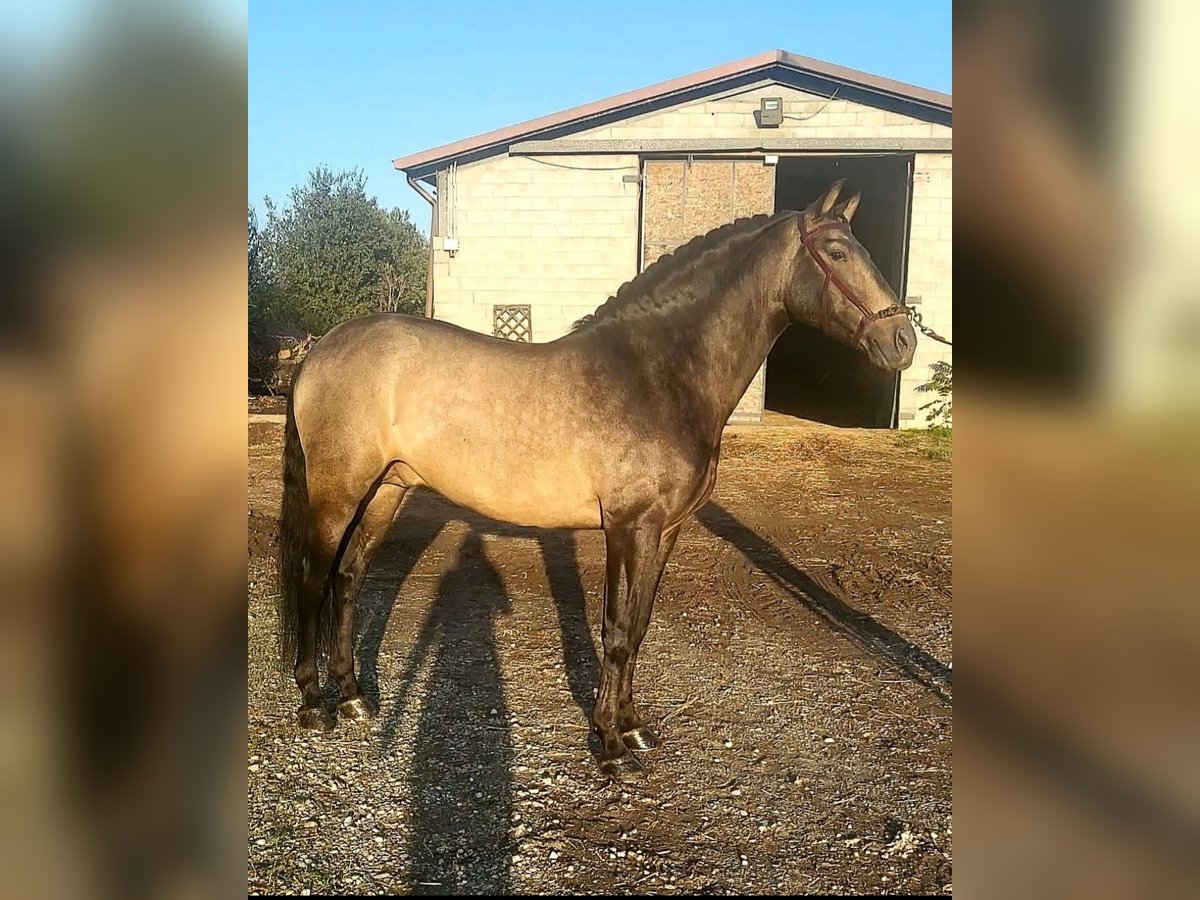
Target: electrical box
point(770, 112)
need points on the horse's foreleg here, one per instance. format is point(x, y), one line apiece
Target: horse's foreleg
point(636, 734)
point(631, 577)
point(372, 527)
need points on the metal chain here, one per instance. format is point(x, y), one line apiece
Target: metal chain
point(925, 329)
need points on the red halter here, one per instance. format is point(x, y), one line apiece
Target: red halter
point(868, 316)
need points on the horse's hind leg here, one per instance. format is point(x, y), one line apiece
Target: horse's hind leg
point(372, 527)
point(325, 531)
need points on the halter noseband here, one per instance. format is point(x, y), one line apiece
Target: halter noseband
point(868, 316)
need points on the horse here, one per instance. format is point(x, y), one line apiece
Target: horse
point(616, 425)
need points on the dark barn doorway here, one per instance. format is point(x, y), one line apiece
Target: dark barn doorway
point(813, 376)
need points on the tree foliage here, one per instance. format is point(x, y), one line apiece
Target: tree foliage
point(261, 360)
point(332, 254)
point(941, 383)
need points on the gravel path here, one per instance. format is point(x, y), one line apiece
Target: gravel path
point(798, 662)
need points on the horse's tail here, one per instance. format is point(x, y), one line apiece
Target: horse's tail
point(293, 538)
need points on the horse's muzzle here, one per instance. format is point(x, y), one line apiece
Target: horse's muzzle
point(890, 343)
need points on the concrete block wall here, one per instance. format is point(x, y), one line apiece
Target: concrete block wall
point(929, 277)
point(732, 116)
point(559, 239)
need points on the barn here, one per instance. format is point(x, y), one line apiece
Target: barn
point(536, 224)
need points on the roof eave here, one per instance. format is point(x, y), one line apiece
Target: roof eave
point(419, 163)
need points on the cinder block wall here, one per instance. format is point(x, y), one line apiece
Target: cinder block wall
point(732, 116)
point(559, 239)
point(929, 277)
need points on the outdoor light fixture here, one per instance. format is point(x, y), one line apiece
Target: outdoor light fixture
point(770, 112)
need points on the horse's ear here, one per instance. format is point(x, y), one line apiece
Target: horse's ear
point(847, 208)
point(830, 197)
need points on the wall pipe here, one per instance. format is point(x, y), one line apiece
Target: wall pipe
point(432, 201)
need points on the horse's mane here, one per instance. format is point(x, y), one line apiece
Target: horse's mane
point(678, 277)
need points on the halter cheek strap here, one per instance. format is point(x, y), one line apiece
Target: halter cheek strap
point(868, 315)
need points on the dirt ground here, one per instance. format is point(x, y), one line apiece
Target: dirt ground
point(798, 664)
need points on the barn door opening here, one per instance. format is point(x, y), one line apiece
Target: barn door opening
point(683, 198)
point(816, 377)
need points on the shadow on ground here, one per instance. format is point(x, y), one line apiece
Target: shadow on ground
point(861, 629)
point(462, 753)
point(462, 750)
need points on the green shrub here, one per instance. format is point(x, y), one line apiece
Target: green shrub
point(941, 383)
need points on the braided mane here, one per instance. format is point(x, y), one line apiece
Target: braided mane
point(689, 272)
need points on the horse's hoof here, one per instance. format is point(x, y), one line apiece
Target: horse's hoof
point(356, 709)
point(315, 718)
point(626, 768)
point(641, 738)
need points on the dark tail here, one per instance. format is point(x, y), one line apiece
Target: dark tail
point(293, 539)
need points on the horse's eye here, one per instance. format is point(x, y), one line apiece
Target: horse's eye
point(837, 256)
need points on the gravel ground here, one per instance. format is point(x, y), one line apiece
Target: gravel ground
point(798, 662)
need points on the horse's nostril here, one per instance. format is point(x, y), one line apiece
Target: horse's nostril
point(901, 340)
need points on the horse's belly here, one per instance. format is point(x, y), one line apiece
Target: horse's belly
point(522, 489)
point(556, 512)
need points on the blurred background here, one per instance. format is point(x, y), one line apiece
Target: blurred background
point(122, 379)
point(1075, 480)
point(122, 544)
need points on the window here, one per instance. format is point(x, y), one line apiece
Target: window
point(513, 323)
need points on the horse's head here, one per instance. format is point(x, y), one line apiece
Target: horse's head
point(839, 289)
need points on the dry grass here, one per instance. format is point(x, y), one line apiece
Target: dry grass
point(932, 443)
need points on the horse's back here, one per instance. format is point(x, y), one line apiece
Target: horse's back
point(500, 427)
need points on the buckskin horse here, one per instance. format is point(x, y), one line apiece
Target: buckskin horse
point(616, 425)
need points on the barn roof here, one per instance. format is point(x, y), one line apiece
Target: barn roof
point(801, 72)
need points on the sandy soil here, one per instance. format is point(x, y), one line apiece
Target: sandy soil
point(798, 663)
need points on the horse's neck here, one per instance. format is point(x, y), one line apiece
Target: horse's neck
point(736, 330)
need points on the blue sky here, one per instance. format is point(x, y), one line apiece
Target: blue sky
point(355, 84)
